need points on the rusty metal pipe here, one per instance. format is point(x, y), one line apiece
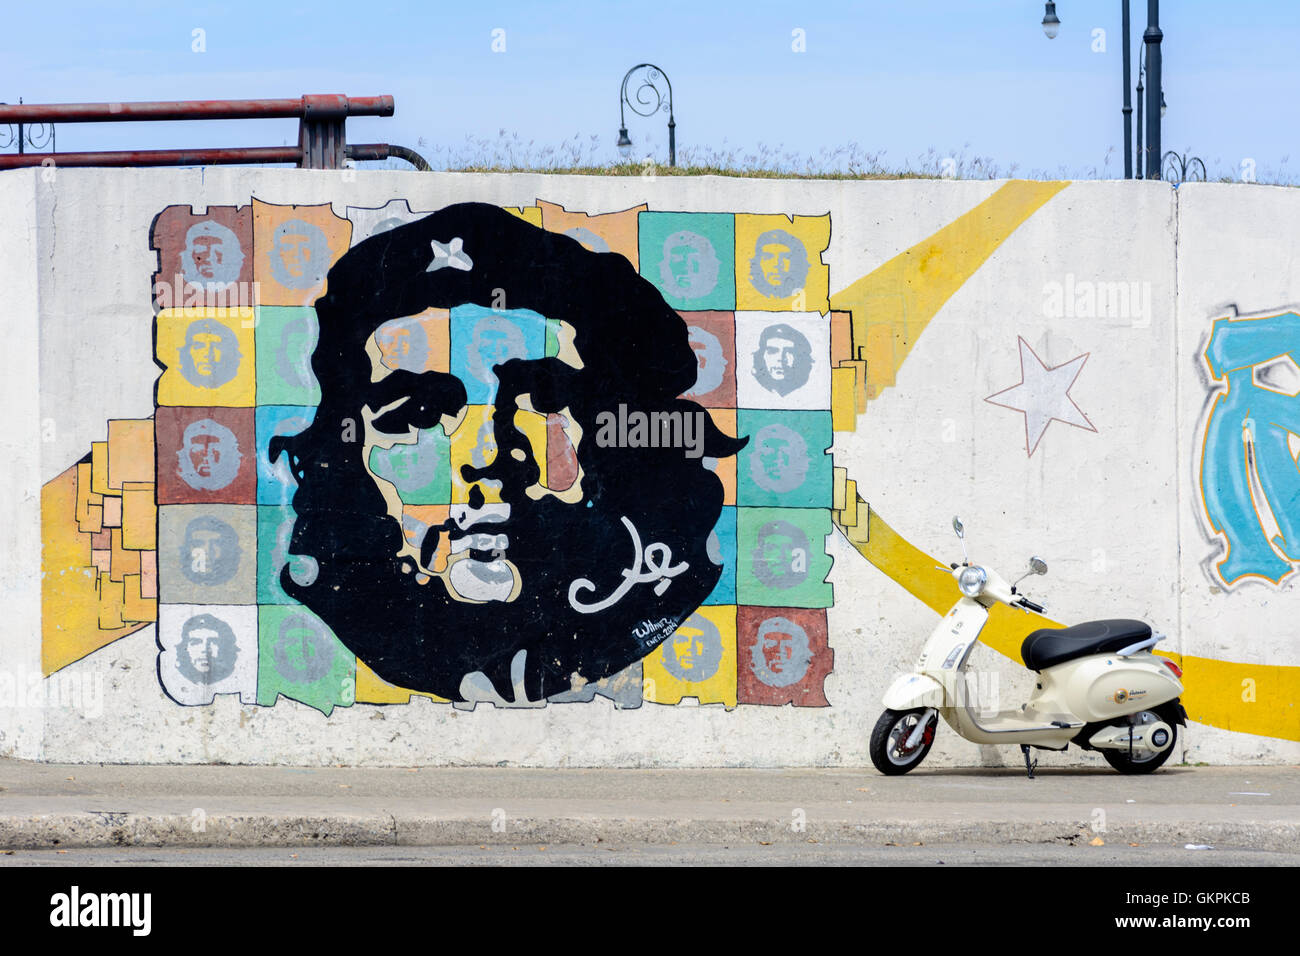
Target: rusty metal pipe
point(314, 106)
point(157, 157)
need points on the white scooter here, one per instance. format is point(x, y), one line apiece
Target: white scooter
point(1099, 686)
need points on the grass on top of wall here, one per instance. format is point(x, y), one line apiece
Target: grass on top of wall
point(510, 153)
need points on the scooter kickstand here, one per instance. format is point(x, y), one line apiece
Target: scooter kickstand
point(1024, 749)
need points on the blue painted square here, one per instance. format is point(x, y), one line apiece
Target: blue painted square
point(275, 483)
point(482, 338)
point(723, 539)
point(785, 464)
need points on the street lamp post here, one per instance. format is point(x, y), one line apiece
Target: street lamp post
point(1152, 38)
point(1155, 98)
point(648, 101)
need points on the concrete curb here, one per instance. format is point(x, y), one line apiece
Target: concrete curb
point(242, 830)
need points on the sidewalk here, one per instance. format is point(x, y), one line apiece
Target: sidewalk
point(45, 806)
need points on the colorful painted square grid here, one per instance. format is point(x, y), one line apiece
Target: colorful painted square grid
point(237, 372)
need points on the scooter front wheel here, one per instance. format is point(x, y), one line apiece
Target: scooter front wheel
point(888, 748)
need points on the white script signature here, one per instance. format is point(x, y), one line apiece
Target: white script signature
point(656, 557)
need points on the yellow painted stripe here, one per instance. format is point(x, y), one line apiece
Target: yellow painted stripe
point(892, 305)
point(1246, 698)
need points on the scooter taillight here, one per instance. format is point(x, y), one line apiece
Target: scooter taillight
point(1178, 671)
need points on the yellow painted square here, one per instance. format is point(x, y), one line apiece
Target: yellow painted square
point(753, 284)
point(139, 516)
point(137, 609)
point(475, 432)
point(844, 388)
point(99, 467)
point(849, 516)
point(663, 683)
point(130, 451)
point(210, 337)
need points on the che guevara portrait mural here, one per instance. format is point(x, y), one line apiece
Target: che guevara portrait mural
point(520, 456)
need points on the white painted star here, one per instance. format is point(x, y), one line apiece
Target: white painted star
point(1043, 395)
point(449, 254)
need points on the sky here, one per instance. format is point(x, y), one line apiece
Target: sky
point(906, 82)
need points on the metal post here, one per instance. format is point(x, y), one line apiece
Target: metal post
point(1141, 156)
point(1152, 39)
point(645, 106)
point(1128, 104)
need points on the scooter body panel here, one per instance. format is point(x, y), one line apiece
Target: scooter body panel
point(909, 691)
point(1103, 687)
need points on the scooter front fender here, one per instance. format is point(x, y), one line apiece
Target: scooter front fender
point(909, 691)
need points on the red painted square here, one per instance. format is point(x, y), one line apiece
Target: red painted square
point(782, 656)
point(714, 345)
point(208, 250)
point(206, 455)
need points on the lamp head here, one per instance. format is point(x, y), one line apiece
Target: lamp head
point(1051, 22)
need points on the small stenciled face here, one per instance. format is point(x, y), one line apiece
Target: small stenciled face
point(207, 256)
point(205, 352)
point(210, 551)
point(778, 357)
point(207, 650)
point(394, 345)
point(689, 269)
point(779, 461)
point(774, 260)
point(694, 651)
point(684, 264)
point(299, 255)
point(212, 254)
point(778, 648)
point(712, 363)
point(203, 649)
point(209, 456)
point(779, 267)
point(780, 557)
point(205, 454)
point(783, 359)
point(210, 356)
point(295, 253)
point(781, 653)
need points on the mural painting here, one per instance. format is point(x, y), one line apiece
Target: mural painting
point(530, 456)
point(1249, 478)
point(477, 455)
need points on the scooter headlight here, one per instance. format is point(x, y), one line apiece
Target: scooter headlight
point(971, 581)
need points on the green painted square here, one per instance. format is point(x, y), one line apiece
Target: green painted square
point(785, 464)
point(274, 526)
point(421, 472)
point(781, 557)
point(690, 258)
point(552, 338)
point(285, 339)
point(299, 657)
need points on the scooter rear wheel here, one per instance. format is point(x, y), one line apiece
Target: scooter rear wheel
point(1121, 761)
point(888, 741)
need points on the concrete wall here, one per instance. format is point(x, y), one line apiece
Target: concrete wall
point(943, 296)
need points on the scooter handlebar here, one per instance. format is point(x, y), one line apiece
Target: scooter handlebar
point(1025, 602)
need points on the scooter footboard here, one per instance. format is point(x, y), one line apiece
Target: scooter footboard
point(910, 691)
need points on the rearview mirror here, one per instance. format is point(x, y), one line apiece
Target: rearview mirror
point(957, 526)
point(1038, 565)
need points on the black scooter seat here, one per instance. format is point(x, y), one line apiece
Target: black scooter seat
point(1047, 648)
